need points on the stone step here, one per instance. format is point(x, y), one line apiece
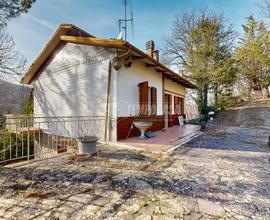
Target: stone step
point(184, 140)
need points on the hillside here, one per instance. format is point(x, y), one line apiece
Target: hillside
point(12, 97)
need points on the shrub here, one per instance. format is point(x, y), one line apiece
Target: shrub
point(14, 145)
point(194, 121)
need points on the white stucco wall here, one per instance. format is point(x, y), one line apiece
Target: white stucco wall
point(128, 91)
point(75, 84)
point(174, 88)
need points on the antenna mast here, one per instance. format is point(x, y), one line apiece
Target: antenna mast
point(125, 20)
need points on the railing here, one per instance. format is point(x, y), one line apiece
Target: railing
point(24, 137)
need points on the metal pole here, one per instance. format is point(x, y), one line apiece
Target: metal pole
point(78, 127)
point(28, 140)
point(10, 145)
point(16, 140)
point(125, 2)
point(22, 140)
point(39, 140)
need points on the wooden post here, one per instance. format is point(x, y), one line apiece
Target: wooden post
point(176, 105)
point(163, 94)
point(107, 101)
point(183, 106)
point(28, 139)
point(153, 101)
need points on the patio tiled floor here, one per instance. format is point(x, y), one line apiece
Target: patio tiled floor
point(164, 140)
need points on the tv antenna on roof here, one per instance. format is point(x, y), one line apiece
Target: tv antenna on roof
point(123, 23)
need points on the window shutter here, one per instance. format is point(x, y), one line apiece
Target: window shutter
point(182, 106)
point(143, 97)
point(176, 105)
point(153, 101)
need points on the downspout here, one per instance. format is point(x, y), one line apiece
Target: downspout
point(107, 101)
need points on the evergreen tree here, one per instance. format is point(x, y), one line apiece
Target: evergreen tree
point(28, 104)
point(252, 55)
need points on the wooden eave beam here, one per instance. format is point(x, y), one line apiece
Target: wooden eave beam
point(151, 65)
point(135, 57)
point(169, 75)
point(159, 68)
point(94, 41)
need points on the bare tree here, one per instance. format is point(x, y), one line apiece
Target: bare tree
point(11, 62)
point(265, 8)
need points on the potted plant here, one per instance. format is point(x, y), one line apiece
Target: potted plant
point(203, 121)
point(87, 144)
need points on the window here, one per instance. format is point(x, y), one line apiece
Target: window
point(178, 105)
point(147, 99)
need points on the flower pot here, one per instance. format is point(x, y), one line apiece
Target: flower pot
point(87, 145)
point(203, 125)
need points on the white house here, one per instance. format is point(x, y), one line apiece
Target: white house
point(77, 74)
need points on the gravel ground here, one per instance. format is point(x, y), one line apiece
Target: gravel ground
point(223, 174)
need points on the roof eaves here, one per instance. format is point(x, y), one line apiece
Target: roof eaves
point(187, 83)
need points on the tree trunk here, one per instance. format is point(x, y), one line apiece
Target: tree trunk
point(202, 99)
point(205, 98)
point(249, 91)
point(216, 96)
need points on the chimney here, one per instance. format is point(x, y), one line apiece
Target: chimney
point(149, 47)
point(156, 55)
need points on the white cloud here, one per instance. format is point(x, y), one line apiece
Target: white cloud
point(40, 21)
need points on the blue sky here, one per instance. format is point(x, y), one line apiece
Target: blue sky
point(153, 19)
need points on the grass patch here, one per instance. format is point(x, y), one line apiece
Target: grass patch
point(250, 142)
point(264, 145)
point(216, 133)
